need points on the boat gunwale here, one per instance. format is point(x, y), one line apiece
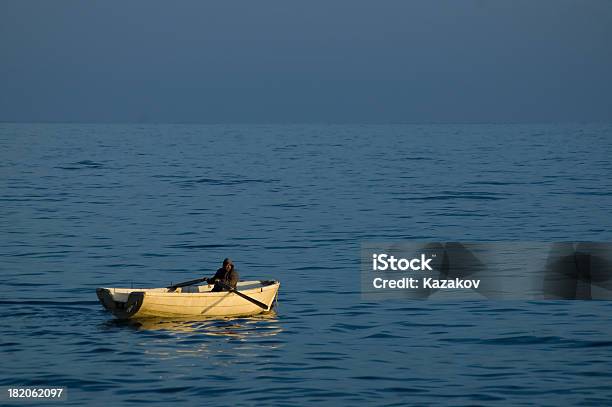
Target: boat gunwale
point(150, 293)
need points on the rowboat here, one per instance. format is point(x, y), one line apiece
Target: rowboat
point(130, 303)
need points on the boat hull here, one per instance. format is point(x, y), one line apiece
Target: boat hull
point(196, 301)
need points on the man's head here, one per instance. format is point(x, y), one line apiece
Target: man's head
point(227, 264)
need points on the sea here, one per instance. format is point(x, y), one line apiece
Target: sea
point(147, 205)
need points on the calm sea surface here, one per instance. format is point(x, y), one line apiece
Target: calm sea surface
point(85, 206)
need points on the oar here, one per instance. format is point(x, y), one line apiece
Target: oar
point(187, 283)
point(246, 297)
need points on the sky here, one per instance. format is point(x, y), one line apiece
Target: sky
point(387, 61)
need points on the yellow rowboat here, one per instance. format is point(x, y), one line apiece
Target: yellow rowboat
point(127, 303)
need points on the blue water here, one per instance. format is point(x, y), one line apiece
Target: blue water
point(85, 206)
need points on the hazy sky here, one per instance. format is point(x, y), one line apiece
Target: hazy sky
point(306, 61)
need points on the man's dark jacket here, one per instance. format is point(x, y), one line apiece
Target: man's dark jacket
point(229, 278)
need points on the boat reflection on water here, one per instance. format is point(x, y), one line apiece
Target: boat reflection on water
point(262, 325)
point(227, 339)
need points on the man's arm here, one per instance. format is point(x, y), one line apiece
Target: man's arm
point(218, 276)
point(233, 279)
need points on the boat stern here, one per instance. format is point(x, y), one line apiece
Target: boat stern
point(121, 309)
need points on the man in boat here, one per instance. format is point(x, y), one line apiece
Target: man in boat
point(225, 276)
